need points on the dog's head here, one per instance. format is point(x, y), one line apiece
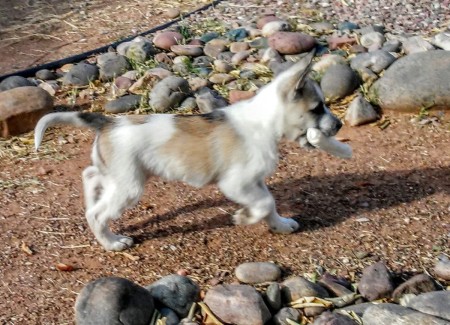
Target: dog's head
point(304, 104)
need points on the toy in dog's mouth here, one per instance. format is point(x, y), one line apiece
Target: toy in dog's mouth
point(315, 138)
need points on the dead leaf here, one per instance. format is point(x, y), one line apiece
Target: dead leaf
point(131, 257)
point(64, 267)
point(26, 249)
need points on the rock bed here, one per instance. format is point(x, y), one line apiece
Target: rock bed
point(258, 298)
point(205, 64)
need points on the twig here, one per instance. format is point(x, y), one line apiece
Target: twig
point(74, 246)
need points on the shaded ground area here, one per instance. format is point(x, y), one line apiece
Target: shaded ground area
point(34, 32)
point(391, 201)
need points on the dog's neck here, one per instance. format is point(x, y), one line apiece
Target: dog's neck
point(261, 115)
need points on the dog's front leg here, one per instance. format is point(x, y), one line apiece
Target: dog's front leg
point(258, 203)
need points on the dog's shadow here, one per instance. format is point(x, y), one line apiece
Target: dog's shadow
point(318, 202)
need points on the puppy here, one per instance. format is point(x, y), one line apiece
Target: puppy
point(235, 147)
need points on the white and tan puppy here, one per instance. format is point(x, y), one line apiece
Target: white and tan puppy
point(235, 147)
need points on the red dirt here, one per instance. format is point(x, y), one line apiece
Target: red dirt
point(392, 201)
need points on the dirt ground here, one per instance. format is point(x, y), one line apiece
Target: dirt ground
point(390, 202)
point(34, 32)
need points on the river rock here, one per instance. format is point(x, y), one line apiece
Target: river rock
point(166, 39)
point(442, 267)
point(45, 74)
point(298, 287)
point(376, 61)
point(266, 19)
point(442, 40)
point(170, 316)
point(221, 78)
point(237, 47)
point(15, 82)
point(113, 301)
point(327, 61)
point(360, 112)
point(209, 100)
point(416, 44)
point(285, 313)
point(176, 292)
point(81, 74)
point(423, 72)
point(373, 40)
point(257, 272)
point(188, 50)
point(237, 304)
point(329, 318)
point(272, 296)
point(391, 314)
point(291, 42)
point(214, 47)
point(434, 303)
point(123, 104)
point(376, 282)
point(275, 26)
point(418, 284)
point(112, 65)
point(168, 93)
point(140, 50)
point(239, 57)
point(21, 108)
point(339, 81)
point(236, 96)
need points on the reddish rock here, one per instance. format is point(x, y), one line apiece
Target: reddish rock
point(237, 47)
point(335, 42)
point(266, 19)
point(376, 282)
point(238, 95)
point(237, 304)
point(188, 50)
point(416, 285)
point(291, 42)
point(165, 40)
point(123, 82)
point(163, 58)
point(21, 108)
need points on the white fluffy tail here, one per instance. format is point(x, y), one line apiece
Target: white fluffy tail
point(92, 120)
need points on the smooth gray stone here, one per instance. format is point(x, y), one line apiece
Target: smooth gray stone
point(175, 292)
point(113, 301)
point(123, 104)
point(436, 303)
point(391, 314)
point(15, 82)
point(413, 82)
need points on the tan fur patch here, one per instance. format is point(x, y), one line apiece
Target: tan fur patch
point(203, 146)
point(104, 146)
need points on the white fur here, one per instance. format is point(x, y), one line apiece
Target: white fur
point(135, 153)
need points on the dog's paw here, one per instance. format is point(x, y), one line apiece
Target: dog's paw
point(284, 226)
point(241, 217)
point(119, 244)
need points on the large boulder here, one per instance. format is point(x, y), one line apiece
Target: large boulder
point(21, 108)
point(113, 301)
point(416, 81)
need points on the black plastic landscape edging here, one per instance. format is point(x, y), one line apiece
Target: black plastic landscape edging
point(30, 72)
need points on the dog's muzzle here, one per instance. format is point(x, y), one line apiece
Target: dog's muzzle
point(328, 124)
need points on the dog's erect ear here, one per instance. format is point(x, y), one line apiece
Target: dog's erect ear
point(295, 77)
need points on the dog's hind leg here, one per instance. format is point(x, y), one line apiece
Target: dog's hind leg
point(114, 199)
point(259, 204)
point(92, 185)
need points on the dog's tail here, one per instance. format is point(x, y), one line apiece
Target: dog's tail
point(91, 120)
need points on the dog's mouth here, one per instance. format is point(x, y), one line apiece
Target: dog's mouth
point(304, 143)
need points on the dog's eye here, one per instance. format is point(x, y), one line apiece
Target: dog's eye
point(318, 109)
